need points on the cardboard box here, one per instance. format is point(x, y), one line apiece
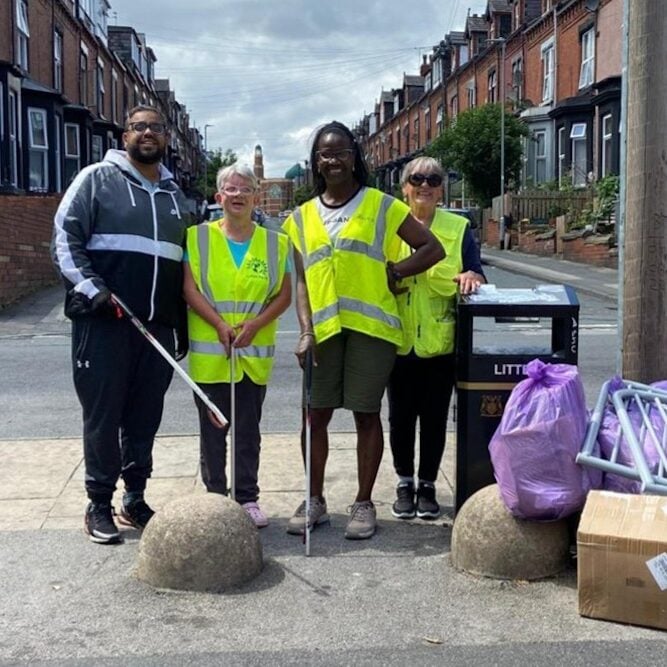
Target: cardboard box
point(622, 558)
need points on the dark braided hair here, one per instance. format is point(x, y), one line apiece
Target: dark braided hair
point(359, 171)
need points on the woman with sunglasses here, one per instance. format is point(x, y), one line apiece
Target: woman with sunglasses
point(421, 382)
point(344, 240)
point(237, 283)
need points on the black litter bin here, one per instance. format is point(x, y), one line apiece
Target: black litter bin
point(488, 371)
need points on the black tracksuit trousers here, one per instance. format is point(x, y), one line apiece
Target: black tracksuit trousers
point(121, 380)
point(213, 441)
point(420, 388)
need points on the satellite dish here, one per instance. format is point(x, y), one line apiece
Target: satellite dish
point(592, 5)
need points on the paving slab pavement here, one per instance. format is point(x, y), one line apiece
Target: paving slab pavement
point(391, 600)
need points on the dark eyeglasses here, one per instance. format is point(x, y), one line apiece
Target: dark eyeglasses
point(141, 126)
point(330, 156)
point(433, 180)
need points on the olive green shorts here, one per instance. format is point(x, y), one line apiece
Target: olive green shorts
point(352, 372)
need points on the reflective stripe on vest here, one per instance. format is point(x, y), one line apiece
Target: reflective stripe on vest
point(259, 351)
point(331, 310)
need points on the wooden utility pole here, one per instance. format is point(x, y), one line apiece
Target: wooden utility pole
point(644, 275)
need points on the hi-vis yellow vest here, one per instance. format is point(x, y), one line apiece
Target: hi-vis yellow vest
point(347, 281)
point(428, 309)
point(237, 294)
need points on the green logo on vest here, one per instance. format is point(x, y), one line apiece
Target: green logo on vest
point(259, 267)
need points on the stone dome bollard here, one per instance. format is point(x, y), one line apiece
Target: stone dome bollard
point(200, 543)
point(487, 540)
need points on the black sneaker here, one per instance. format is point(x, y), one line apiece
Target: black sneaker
point(136, 514)
point(404, 506)
point(427, 505)
point(99, 523)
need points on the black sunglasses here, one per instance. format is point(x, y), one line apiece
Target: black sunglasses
point(433, 180)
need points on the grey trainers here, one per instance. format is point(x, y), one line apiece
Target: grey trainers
point(318, 514)
point(362, 521)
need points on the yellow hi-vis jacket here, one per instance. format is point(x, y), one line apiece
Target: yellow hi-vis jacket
point(347, 281)
point(428, 308)
point(237, 294)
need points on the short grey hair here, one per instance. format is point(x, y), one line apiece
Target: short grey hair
point(236, 169)
point(427, 165)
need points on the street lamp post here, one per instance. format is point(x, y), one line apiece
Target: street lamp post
point(206, 161)
point(501, 97)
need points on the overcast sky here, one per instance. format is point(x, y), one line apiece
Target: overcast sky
point(270, 71)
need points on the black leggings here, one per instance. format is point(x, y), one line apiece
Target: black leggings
point(420, 388)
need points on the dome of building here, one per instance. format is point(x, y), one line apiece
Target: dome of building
point(295, 171)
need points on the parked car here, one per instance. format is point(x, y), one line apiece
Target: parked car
point(471, 216)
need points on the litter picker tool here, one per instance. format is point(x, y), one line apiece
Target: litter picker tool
point(232, 425)
point(213, 409)
point(307, 387)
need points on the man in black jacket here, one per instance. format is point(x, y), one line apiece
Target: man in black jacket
point(119, 230)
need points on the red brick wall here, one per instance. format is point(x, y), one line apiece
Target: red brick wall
point(491, 233)
point(25, 234)
point(582, 250)
point(529, 243)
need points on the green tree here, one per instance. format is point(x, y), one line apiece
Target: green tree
point(471, 146)
point(216, 161)
point(301, 195)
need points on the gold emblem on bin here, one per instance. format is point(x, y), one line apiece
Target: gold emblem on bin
point(491, 405)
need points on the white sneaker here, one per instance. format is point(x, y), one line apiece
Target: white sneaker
point(255, 513)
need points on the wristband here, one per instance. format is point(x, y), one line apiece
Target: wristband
point(307, 333)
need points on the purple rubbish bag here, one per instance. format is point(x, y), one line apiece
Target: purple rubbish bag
point(533, 449)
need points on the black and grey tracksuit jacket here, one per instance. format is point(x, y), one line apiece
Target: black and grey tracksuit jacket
point(113, 232)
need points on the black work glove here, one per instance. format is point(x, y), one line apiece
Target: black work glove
point(79, 304)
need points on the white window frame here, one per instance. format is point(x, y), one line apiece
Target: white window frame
point(440, 119)
point(39, 150)
point(472, 93)
point(517, 68)
point(101, 90)
point(13, 124)
point(22, 33)
point(427, 125)
point(540, 159)
point(561, 155)
point(492, 82)
point(578, 143)
point(84, 92)
point(58, 152)
point(69, 155)
point(427, 82)
point(437, 71)
point(607, 143)
point(97, 148)
point(547, 57)
point(587, 73)
point(57, 60)
point(464, 54)
point(114, 96)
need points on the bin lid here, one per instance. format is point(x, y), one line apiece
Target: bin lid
point(540, 295)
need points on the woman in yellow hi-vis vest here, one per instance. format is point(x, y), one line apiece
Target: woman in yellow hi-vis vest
point(421, 383)
point(236, 284)
point(345, 239)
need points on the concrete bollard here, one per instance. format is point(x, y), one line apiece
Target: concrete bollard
point(200, 543)
point(487, 540)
